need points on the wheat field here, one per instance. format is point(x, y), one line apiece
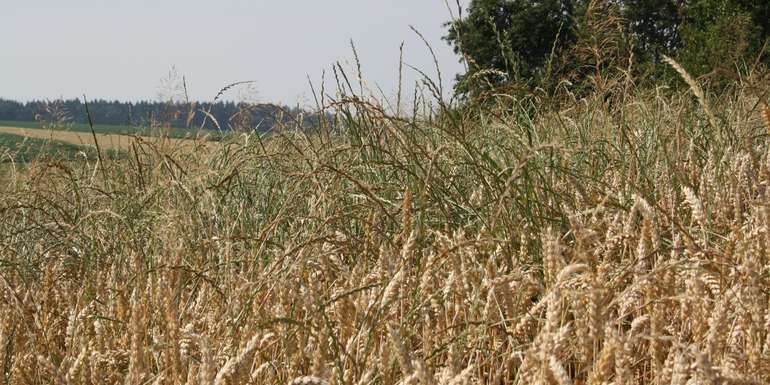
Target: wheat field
point(107, 141)
point(614, 239)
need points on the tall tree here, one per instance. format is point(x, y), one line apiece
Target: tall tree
point(519, 40)
point(654, 25)
point(513, 37)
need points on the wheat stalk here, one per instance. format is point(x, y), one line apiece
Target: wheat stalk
point(694, 87)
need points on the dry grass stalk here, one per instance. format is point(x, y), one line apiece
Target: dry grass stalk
point(695, 88)
point(466, 249)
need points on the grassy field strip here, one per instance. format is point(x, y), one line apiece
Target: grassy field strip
point(19, 148)
point(175, 132)
point(106, 141)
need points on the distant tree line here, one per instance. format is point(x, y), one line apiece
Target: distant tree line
point(224, 115)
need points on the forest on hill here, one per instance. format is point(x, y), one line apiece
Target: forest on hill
point(221, 115)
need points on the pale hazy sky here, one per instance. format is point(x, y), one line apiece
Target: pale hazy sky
point(121, 49)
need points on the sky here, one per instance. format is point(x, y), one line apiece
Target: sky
point(124, 49)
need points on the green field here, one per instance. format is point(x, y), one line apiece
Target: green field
point(17, 148)
point(23, 149)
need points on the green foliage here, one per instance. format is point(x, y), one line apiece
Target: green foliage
point(652, 22)
point(593, 43)
point(716, 35)
point(513, 37)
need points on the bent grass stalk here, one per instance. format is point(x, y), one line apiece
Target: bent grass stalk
point(456, 249)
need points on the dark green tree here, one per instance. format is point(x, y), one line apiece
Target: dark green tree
point(515, 38)
point(718, 34)
point(654, 26)
point(530, 42)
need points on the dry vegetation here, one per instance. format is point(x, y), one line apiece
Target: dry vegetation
point(107, 141)
point(619, 239)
